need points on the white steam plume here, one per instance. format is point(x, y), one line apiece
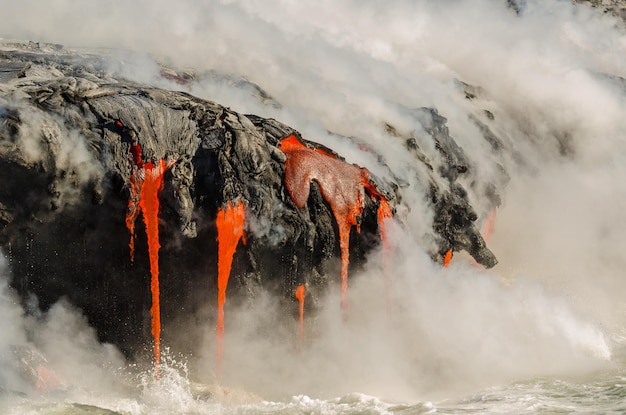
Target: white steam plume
point(55, 352)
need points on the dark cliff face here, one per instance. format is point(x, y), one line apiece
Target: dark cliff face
point(69, 134)
point(614, 7)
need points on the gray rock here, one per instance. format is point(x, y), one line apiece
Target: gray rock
point(68, 129)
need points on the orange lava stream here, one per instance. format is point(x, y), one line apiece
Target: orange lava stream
point(342, 185)
point(385, 212)
point(132, 213)
point(136, 181)
point(300, 292)
point(145, 185)
point(229, 224)
point(447, 259)
point(149, 204)
point(344, 245)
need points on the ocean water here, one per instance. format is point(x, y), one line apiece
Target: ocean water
point(542, 332)
point(602, 392)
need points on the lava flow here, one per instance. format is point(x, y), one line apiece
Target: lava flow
point(300, 291)
point(136, 180)
point(342, 185)
point(229, 224)
point(385, 212)
point(146, 183)
point(447, 258)
point(487, 229)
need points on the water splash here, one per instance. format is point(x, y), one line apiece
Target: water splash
point(229, 222)
point(171, 394)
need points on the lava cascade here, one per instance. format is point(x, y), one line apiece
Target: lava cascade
point(146, 183)
point(300, 292)
point(134, 186)
point(230, 223)
point(342, 185)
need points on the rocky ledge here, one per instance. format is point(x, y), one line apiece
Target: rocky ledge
point(83, 151)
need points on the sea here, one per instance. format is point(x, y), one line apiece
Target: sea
point(599, 392)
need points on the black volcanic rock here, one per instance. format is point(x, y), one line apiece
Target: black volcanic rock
point(67, 128)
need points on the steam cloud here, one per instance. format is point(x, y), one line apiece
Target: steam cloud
point(550, 80)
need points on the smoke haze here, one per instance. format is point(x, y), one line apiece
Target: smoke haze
point(550, 88)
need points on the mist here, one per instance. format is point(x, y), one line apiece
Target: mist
point(552, 80)
point(51, 352)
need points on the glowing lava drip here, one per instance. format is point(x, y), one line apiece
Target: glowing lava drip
point(300, 291)
point(342, 185)
point(385, 212)
point(229, 224)
point(136, 180)
point(487, 229)
point(447, 258)
point(146, 183)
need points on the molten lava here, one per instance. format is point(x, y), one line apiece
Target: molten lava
point(300, 292)
point(487, 229)
point(342, 185)
point(447, 258)
point(134, 187)
point(385, 212)
point(229, 224)
point(146, 183)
